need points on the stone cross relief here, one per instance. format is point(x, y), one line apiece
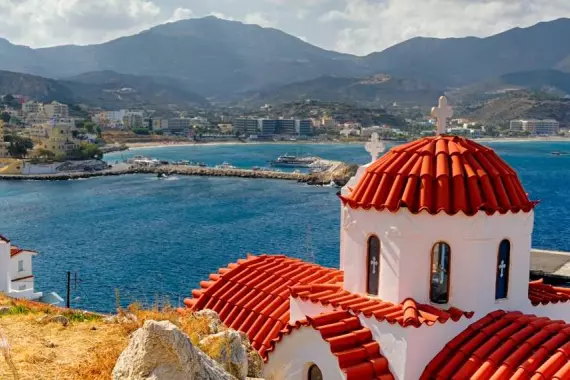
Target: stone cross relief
point(375, 146)
point(502, 268)
point(374, 264)
point(441, 113)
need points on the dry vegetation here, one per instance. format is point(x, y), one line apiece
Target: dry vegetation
point(87, 348)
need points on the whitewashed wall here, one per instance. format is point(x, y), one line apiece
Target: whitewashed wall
point(41, 169)
point(5, 278)
point(294, 354)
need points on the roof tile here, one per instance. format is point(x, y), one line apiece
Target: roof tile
point(448, 174)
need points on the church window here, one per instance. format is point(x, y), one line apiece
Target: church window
point(314, 373)
point(373, 265)
point(20, 265)
point(439, 281)
point(503, 266)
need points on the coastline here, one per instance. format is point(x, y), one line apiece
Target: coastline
point(147, 145)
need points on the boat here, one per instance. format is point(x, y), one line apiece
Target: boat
point(225, 165)
point(293, 161)
point(162, 175)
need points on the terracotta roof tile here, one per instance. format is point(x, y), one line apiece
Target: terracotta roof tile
point(409, 313)
point(505, 346)
point(357, 353)
point(448, 174)
point(16, 251)
point(540, 293)
point(253, 295)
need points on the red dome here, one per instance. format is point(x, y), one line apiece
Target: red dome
point(442, 173)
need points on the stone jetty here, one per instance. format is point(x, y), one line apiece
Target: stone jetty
point(338, 174)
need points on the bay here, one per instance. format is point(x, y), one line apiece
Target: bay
point(153, 239)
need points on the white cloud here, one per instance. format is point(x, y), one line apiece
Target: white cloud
point(181, 14)
point(370, 25)
point(221, 16)
point(258, 18)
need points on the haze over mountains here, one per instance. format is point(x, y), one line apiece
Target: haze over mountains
point(217, 58)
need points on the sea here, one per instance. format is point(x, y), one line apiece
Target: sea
point(137, 238)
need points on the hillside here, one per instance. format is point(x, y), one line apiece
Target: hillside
point(101, 89)
point(377, 90)
point(520, 104)
point(460, 61)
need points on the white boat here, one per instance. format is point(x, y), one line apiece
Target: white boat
point(225, 165)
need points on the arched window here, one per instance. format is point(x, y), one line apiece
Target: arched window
point(503, 266)
point(440, 264)
point(373, 264)
point(314, 373)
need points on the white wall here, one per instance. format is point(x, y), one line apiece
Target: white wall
point(406, 244)
point(300, 310)
point(409, 350)
point(41, 169)
point(297, 351)
point(27, 261)
point(5, 279)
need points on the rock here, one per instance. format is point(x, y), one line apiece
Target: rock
point(214, 321)
point(228, 349)
point(160, 351)
point(4, 310)
point(59, 319)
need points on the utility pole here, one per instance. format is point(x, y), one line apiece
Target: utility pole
point(68, 300)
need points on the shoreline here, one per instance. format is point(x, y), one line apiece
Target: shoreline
point(148, 145)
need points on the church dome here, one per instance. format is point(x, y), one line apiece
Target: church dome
point(442, 173)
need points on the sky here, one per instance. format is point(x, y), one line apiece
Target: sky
point(350, 26)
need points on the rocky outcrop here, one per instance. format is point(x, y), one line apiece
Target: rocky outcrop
point(228, 349)
point(160, 351)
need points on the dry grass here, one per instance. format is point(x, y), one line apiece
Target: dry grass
point(85, 349)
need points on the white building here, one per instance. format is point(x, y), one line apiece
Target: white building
point(16, 276)
point(435, 240)
point(536, 127)
point(32, 107)
point(56, 110)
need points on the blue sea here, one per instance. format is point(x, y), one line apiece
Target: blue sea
point(153, 239)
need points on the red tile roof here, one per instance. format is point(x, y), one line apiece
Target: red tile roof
point(440, 174)
point(540, 293)
point(408, 313)
point(252, 295)
point(16, 251)
point(505, 346)
point(357, 352)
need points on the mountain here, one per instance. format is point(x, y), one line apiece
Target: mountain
point(216, 58)
point(100, 89)
point(376, 90)
point(460, 61)
point(208, 55)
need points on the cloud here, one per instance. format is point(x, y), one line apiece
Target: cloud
point(51, 22)
point(181, 14)
point(372, 25)
point(259, 19)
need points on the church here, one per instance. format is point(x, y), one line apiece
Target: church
point(435, 241)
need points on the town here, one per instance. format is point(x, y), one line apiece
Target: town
point(37, 134)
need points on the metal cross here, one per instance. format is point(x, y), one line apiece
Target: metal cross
point(374, 264)
point(502, 268)
point(442, 112)
point(375, 146)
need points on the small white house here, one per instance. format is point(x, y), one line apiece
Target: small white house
point(16, 276)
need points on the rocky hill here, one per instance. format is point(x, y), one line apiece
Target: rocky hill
point(378, 90)
point(101, 89)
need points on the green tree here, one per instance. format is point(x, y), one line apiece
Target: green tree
point(46, 154)
point(141, 131)
point(98, 131)
point(5, 117)
point(60, 157)
point(19, 146)
point(89, 126)
point(91, 151)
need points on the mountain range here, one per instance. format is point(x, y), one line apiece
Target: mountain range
point(219, 59)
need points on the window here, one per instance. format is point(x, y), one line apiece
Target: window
point(314, 373)
point(20, 265)
point(22, 287)
point(503, 266)
point(439, 288)
point(373, 265)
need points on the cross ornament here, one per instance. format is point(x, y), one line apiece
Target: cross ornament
point(375, 146)
point(502, 268)
point(442, 112)
point(374, 264)
point(348, 221)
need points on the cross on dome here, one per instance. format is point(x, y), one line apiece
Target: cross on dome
point(375, 146)
point(442, 112)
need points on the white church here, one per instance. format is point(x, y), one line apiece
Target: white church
point(433, 282)
point(16, 276)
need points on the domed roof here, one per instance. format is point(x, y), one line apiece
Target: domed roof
point(441, 173)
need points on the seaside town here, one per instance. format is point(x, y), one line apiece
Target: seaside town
point(40, 137)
